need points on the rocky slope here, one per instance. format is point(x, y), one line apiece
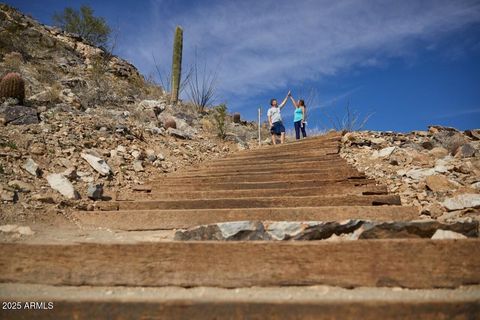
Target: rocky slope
point(437, 170)
point(91, 126)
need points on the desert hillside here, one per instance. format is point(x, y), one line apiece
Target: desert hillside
point(82, 103)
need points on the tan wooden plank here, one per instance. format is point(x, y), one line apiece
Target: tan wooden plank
point(385, 263)
point(272, 202)
point(176, 219)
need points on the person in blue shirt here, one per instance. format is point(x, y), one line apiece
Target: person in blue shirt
point(300, 117)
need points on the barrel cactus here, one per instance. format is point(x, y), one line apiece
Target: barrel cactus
point(170, 123)
point(12, 86)
point(177, 63)
point(236, 117)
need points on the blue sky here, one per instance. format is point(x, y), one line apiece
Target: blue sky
point(410, 63)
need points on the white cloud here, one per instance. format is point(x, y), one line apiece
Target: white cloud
point(265, 45)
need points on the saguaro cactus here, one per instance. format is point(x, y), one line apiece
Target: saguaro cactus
point(12, 86)
point(177, 63)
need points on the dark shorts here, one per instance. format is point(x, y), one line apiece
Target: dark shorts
point(277, 128)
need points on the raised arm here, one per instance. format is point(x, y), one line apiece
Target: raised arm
point(293, 101)
point(281, 105)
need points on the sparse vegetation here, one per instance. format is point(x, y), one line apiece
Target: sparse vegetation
point(54, 92)
point(202, 86)
point(46, 74)
point(12, 61)
point(83, 22)
point(220, 117)
point(5, 143)
point(351, 120)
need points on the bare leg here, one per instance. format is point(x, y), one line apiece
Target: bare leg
point(274, 140)
point(282, 137)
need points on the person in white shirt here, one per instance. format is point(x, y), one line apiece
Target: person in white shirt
point(275, 119)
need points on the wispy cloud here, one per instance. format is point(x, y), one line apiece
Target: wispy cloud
point(458, 113)
point(263, 45)
point(332, 101)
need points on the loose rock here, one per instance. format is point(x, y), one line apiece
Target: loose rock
point(32, 167)
point(462, 201)
point(59, 183)
point(97, 163)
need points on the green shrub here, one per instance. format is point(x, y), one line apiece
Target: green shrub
point(220, 116)
point(83, 22)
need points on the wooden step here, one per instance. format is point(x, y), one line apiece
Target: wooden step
point(276, 156)
point(292, 150)
point(260, 177)
point(204, 186)
point(375, 263)
point(261, 202)
point(272, 172)
point(180, 219)
point(307, 302)
point(313, 166)
point(212, 194)
point(274, 160)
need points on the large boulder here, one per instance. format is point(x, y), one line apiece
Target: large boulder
point(462, 201)
point(321, 230)
point(18, 115)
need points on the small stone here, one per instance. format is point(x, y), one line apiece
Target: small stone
point(70, 173)
point(465, 151)
point(378, 140)
point(44, 198)
point(61, 184)
point(25, 230)
point(462, 201)
point(151, 156)
point(21, 186)
point(32, 167)
point(95, 191)
point(97, 163)
point(37, 149)
point(447, 234)
point(121, 149)
point(8, 196)
point(475, 134)
point(438, 152)
point(179, 134)
point(433, 210)
point(418, 174)
point(427, 145)
point(475, 185)
point(439, 183)
point(138, 166)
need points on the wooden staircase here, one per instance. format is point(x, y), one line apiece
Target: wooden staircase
point(299, 181)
